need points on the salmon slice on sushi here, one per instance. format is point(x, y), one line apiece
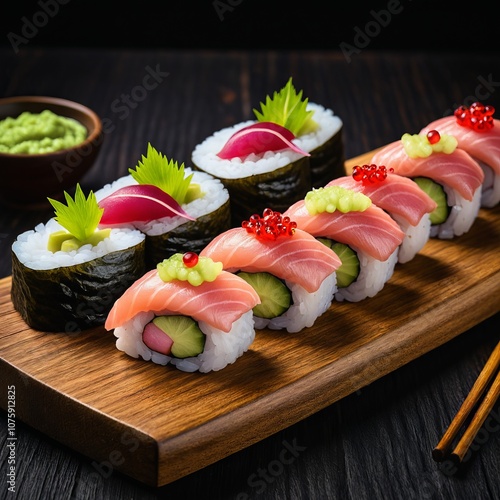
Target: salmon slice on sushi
point(188, 312)
point(448, 174)
point(365, 237)
point(478, 133)
point(292, 272)
point(400, 197)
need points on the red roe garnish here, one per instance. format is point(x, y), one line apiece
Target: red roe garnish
point(270, 226)
point(370, 174)
point(190, 259)
point(477, 116)
point(433, 136)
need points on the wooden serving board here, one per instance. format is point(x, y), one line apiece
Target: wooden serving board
point(158, 424)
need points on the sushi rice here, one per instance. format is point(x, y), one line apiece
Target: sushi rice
point(415, 237)
point(373, 275)
point(221, 348)
point(462, 215)
point(306, 307)
point(30, 247)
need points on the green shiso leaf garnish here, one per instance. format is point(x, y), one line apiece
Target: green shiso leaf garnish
point(288, 109)
point(80, 216)
point(156, 169)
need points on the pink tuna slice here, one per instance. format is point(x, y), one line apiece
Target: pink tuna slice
point(301, 259)
point(156, 339)
point(458, 170)
point(139, 203)
point(259, 138)
point(396, 194)
point(373, 231)
point(219, 303)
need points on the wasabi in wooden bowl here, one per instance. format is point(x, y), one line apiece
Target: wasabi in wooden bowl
point(47, 145)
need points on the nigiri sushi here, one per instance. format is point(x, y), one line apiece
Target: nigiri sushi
point(448, 174)
point(66, 273)
point(188, 312)
point(364, 236)
point(293, 273)
point(177, 208)
point(477, 133)
point(400, 197)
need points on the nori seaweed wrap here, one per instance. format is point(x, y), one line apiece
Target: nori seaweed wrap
point(69, 292)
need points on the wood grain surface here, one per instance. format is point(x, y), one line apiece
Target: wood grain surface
point(158, 424)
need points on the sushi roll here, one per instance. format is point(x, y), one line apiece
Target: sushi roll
point(188, 312)
point(320, 133)
point(292, 272)
point(258, 164)
point(400, 197)
point(448, 174)
point(176, 207)
point(364, 236)
point(67, 273)
point(478, 133)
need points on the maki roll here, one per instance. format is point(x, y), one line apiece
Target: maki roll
point(188, 312)
point(448, 174)
point(67, 273)
point(364, 236)
point(400, 197)
point(292, 272)
point(320, 132)
point(478, 133)
point(258, 164)
point(176, 207)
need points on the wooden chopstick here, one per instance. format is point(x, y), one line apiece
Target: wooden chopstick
point(443, 447)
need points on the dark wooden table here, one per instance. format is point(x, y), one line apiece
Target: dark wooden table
point(375, 443)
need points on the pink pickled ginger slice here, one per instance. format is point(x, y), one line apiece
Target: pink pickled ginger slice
point(139, 203)
point(259, 138)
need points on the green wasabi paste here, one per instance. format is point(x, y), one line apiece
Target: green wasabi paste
point(35, 133)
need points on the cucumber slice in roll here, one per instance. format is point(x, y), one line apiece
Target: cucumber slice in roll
point(275, 296)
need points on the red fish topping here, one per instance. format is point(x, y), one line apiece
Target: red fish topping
point(270, 226)
point(477, 116)
point(433, 136)
point(370, 174)
point(190, 259)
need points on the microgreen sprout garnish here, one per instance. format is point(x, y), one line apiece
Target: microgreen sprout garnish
point(270, 226)
point(477, 116)
point(80, 217)
point(332, 198)
point(189, 267)
point(423, 145)
point(288, 109)
point(157, 170)
point(370, 174)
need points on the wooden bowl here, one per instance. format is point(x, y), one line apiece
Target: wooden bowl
point(27, 180)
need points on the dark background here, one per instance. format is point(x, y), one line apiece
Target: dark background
point(252, 24)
